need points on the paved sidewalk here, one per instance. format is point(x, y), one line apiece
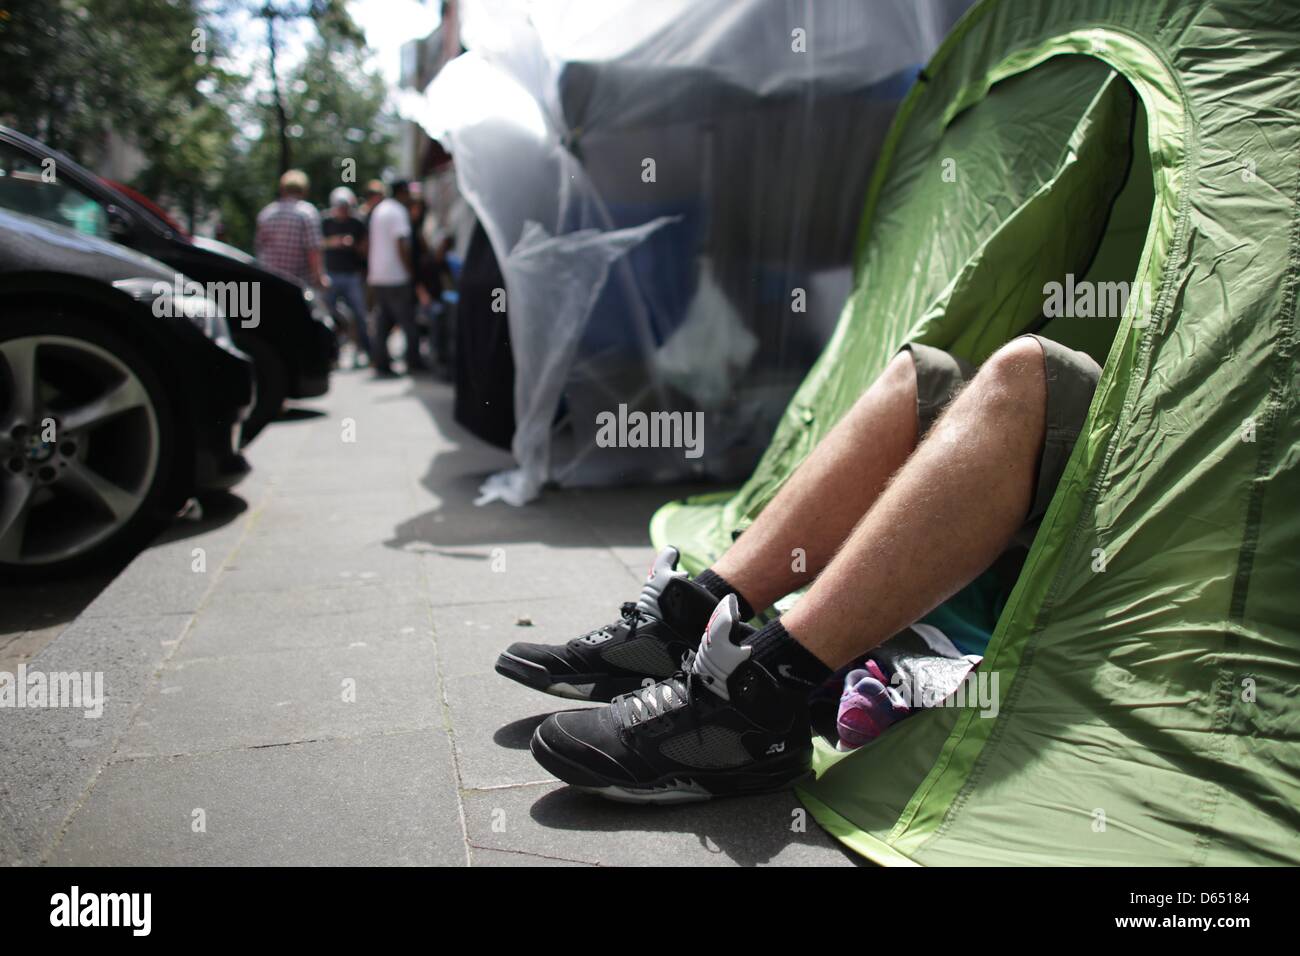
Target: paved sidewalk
point(322, 692)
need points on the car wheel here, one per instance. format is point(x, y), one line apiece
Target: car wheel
point(272, 384)
point(86, 439)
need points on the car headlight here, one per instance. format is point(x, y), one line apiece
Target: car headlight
point(316, 306)
point(183, 299)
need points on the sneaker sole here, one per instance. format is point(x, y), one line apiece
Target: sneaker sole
point(592, 688)
point(675, 788)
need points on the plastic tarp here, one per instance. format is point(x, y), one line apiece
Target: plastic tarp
point(708, 282)
point(1150, 700)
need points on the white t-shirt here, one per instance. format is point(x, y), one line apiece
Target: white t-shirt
point(389, 222)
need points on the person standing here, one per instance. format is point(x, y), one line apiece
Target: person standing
point(390, 273)
point(344, 239)
point(288, 235)
point(426, 280)
point(374, 196)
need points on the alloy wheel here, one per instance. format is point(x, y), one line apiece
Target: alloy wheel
point(79, 447)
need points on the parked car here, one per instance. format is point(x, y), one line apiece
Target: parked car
point(119, 398)
point(291, 339)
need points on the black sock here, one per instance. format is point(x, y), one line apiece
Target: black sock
point(796, 667)
point(717, 585)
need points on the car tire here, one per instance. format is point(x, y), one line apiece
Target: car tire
point(102, 488)
point(272, 384)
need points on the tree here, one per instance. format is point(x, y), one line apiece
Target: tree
point(334, 23)
point(160, 74)
point(76, 71)
point(336, 125)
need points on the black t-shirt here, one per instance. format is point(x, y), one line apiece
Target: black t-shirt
point(344, 258)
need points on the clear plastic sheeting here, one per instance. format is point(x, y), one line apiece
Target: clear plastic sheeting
point(562, 276)
point(672, 191)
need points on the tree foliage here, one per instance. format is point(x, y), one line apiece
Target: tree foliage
point(338, 132)
point(164, 76)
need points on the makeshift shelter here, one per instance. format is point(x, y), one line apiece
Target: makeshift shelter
point(672, 191)
point(1149, 654)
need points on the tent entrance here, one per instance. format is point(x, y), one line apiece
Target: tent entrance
point(1086, 314)
point(1063, 263)
point(1062, 258)
point(1045, 235)
point(1042, 212)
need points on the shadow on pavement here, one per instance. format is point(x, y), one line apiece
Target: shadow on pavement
point(748, 831)
point(217, 508)
point(516, 734)
point(298, 413)
point(613, 517)
point(33, 614)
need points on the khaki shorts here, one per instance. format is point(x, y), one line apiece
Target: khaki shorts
point(1071, 380)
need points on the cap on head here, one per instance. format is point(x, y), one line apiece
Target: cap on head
point(342, 196)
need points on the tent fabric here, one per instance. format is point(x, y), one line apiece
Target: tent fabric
point(1149, 655)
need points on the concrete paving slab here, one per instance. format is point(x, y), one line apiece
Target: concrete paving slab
point(515, 858)
point(253, 631)
point(518, 572)
point(313, 601)
point(264, 566)
point(287, 696)
point(552, 820)
point(32, 615)
point(470, 636)
point(456, 522)
point(375, 801)
point(49, 756)
point(493, 719)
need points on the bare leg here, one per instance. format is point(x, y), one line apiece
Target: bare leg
point(947, 515)
point(829, 493)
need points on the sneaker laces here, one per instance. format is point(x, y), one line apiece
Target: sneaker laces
point(631, 614)
point(637, 708)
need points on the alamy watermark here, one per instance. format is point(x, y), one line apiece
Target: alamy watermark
point(83, 690)
point(1094, 300)
point(637, 429)
point(133, 911)
point(236, 300)
point(978, 690)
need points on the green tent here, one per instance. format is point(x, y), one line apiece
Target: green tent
point(1149, 654)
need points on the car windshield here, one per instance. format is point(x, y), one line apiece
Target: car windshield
point(32, 186)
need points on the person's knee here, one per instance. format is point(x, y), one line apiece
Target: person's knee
point(897, 380)
point(895, 386)
point(900, 373)
point(1014, 374)
point(1015, 370)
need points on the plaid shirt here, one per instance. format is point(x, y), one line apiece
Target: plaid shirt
point(287, 230)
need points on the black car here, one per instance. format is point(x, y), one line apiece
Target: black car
point(119, 398)
point(290, 338)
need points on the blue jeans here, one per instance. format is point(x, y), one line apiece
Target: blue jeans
point(352, 287)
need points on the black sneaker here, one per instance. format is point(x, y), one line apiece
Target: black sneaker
point(724, 727)
point(647, 644)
